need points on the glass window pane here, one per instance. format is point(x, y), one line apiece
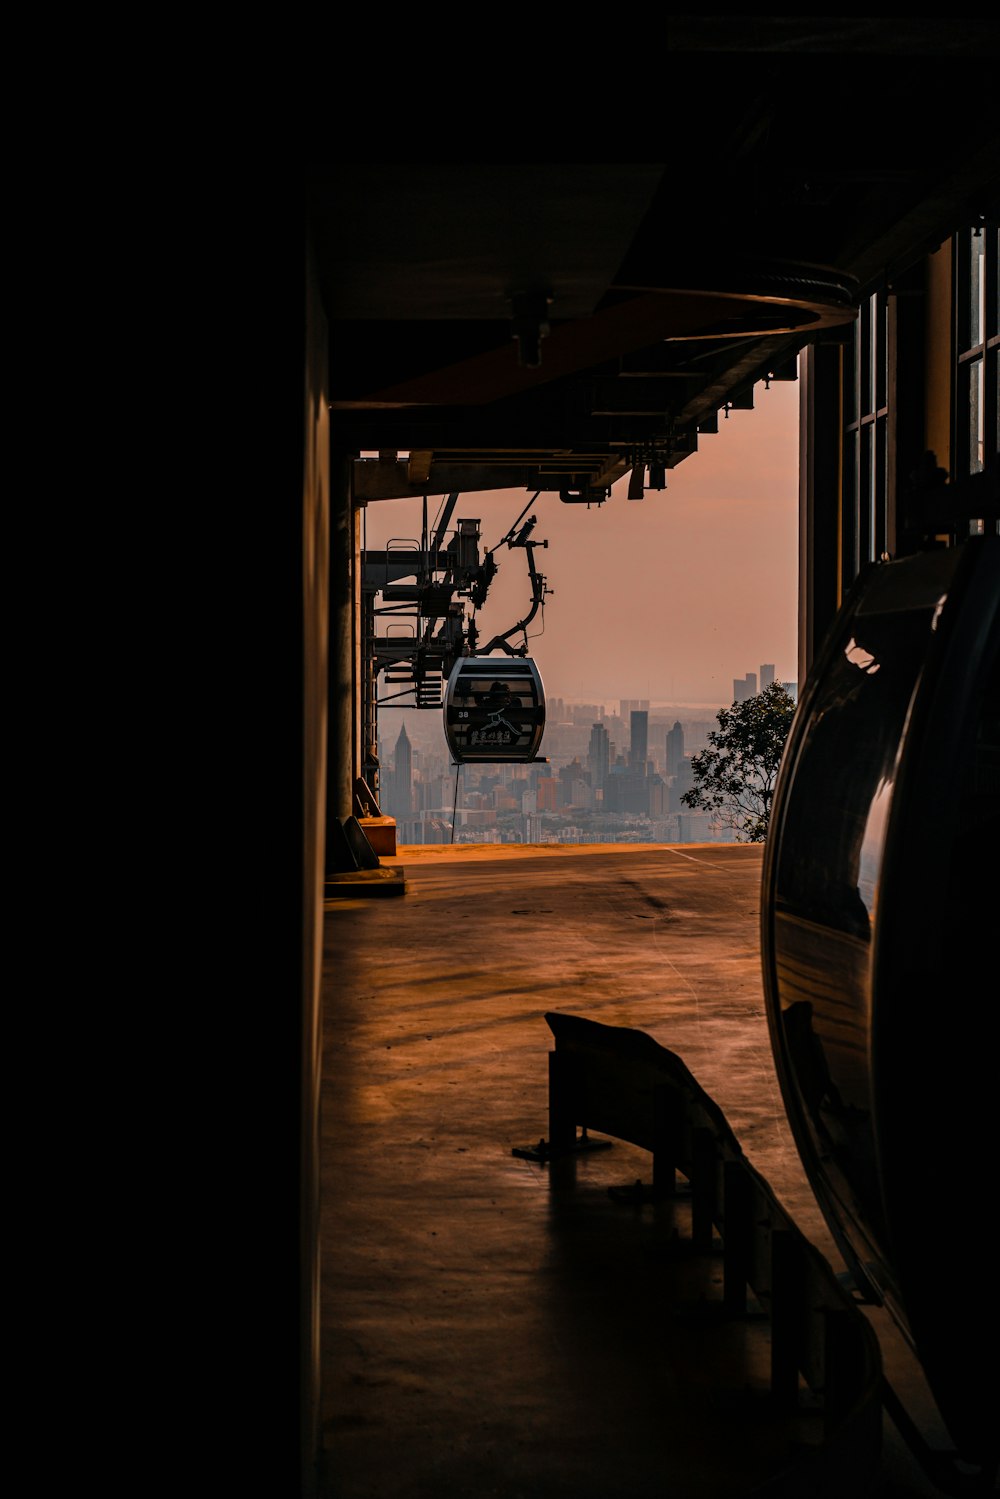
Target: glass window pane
point(976, 417)
point(977, 288)
point(858, 364)
point(872, 494)
point(850, 517)
point(865, 494)
point(883, 490)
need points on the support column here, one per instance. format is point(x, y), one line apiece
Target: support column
point(311, 743)
point(358, 746)
point(341, 771)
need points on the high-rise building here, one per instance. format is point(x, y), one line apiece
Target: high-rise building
point(744, 687)
point(547, 794)
point(656, 789)
point(639, 743)
point(675, 749)
point(599, 756)
point(626, 791)
point(569, 777)
point(766, 677)
point(683, 781)
point(402, 777)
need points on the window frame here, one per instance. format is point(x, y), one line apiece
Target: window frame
point(866, 522)
point(976, 428)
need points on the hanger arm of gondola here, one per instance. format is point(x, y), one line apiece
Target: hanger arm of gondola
point(539, 590)
point(500, 643)
point(508, 539)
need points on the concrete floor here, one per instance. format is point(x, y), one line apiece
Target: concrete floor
point(491, 1326)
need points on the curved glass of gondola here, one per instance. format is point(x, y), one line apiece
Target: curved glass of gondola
point(879, 930)
point(494, 710)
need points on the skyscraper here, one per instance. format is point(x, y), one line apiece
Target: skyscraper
point(683, 781)
point(675, 749)
point(639, 743)
point(766, 677)
point(598, 756)
point(402, 776)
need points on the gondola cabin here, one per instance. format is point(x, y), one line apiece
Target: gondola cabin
point(494, 710)
point(879, 919)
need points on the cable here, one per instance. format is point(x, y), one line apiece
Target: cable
point(454, 809)
point(520, 518)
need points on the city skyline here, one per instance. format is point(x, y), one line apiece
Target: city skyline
point(669, 599)
point(590, 788)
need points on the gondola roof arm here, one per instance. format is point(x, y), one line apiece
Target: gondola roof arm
point(539, 590)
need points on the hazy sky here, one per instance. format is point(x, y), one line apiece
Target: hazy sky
point(668, 598)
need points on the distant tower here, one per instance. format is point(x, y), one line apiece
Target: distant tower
point(675, 749)
point(598, 756)
point(683, 781)
point(402, 776)
point(766, 677)
point(639, 746)
point(745, 687)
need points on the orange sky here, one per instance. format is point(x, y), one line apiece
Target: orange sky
point(668, 598)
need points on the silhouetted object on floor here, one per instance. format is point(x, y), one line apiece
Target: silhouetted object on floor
point(353, 868)
point(623, 1083)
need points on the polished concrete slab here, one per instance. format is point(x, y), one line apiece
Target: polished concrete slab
point(491, 1325)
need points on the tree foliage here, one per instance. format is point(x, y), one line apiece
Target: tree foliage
point(735, 776)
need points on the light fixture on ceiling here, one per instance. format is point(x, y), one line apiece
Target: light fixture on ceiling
point(585, 496)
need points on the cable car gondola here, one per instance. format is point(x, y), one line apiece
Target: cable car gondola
point(879, 938)
point(494, 710)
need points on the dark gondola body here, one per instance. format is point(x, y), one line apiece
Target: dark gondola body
point(880, 914)
point(494, 710)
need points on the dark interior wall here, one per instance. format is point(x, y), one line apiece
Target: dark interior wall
point(344, 695)
point(315, 515)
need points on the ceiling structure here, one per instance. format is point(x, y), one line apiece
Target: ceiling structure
point(554, 326)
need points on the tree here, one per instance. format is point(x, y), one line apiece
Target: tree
point(735, 776)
